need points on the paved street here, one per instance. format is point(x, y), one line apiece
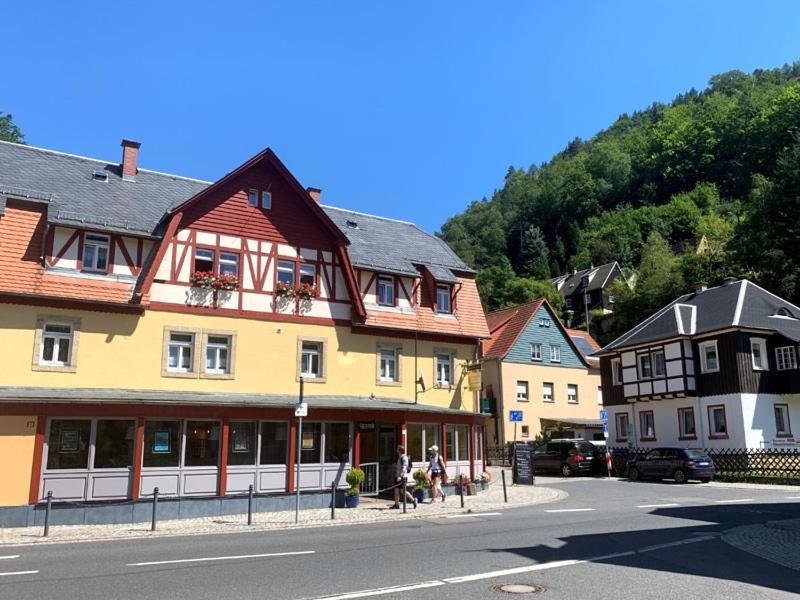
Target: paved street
point(608, 539)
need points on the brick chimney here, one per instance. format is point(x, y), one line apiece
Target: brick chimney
point(315, 193)
point(130, 155)
point(701, 286)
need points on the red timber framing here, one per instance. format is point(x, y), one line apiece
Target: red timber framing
point(224, 414)
point(371, 286)
point(116, 248)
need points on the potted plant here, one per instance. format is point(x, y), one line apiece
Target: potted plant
point(202, 279)
point(355, 477)
point(306, 292)
point(284, 290)
point(420, 485)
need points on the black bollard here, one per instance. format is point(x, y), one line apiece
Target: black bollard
point(402, 485)
point(461, 490)
point(47, 513)
point(155, 506)
point(333, 501)
point(250, 505)
point(505, 491)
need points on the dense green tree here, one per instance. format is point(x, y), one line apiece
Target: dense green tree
point(9, 132)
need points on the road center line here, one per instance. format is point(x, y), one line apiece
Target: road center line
point(18, 573)
point(658, 505)
point(567, 510)
point(216, 558)
point(735, 501)
point(793, 497)
point(486, 514)
point(6, 557)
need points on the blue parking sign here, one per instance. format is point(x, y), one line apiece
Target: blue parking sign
point(515, 416)
point(605, 427)
point(603, 414)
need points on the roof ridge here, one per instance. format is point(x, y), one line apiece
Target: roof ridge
point(363, 214)
point(517, 306)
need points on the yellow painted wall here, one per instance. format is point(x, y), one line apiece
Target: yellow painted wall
point(17, 436)
point(125, 351)
point(536, 409)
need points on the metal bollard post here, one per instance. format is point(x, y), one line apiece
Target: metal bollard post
point(155, 506)
point(461, 491)
point(250, 505)
point(505, 491)
point(333, 501)
point(47, 513)
point(402, 485)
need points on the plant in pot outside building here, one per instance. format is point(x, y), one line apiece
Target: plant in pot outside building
point(284, 290)
point(420, 485)
point(354, 477)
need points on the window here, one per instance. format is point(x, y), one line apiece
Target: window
point(252, 198)
point(286, 272)
point(203, 260)
point(228, 263)
point(572, 393)
point(56, 343)
point(311, 443)
point(622, 422)
point(387, 365)
point(709, 360)
point(658, 364)
point(547, 392)
point(308, 275)
point(202, 444)
point(113, 445)
point(450, 442)
point(386, 291)
point(478, 443)
point(645, 367)
point(462, 432)
point(337, 443)
point(783, 427)
point(266, 200)
point(179, 354)
point(648, 425)
point(443, 299)
point(717, 423)
point(68, 444)
point(242, 443)
point(217, 353)
point(568, 303)
point(786, 358)
point(525, 431)
point(522, 391)
point(612, 298)
point(545, 323)
point(616, 371)
point(95, 252)
point(275, 443)
point(758, 351)
point(162, 443)
point(686, 427)
point(444, 369)
point(536, 352)
point(555, 353)
point(311, 360)
point(414, 445)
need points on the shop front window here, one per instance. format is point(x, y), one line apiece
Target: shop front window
point(162, 444)
point(242, 443)
point(68, 444)
point(274, 442)
point(202, 444)
point(310, 443)
point(337, 443)
point(414, 442)
point(450, 439)
point(433, 436)
point(113, 446)
point(463, 442)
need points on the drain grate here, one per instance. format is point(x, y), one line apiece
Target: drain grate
point(517, 588)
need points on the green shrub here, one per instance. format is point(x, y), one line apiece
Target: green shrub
point(421, 480)
point(355, 477)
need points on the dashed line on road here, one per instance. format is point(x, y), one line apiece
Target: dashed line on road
point(793, 497)
point(486, 514)
point(667, 505)
point(18, 573)
point(568, 510)
point(735, 501)
point(217, 558)
point(8, 556)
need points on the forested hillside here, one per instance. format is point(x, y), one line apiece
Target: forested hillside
point(723, 163)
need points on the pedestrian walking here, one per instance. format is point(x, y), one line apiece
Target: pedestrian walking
point(402, 469)
point(437, 472)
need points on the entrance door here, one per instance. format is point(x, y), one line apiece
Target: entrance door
point(387, 444)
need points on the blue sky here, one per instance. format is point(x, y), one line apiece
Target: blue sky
point(405, 109)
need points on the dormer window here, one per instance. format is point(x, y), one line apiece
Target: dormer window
point(95, 252)
point(386, 290)
point(443, 299)
point(784, 313)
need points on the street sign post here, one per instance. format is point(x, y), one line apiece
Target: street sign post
point(515, 416)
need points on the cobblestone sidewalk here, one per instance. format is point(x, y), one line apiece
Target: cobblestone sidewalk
point(776, 541)
point(369, 511)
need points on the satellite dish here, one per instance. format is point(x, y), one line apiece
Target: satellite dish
point(421, 381)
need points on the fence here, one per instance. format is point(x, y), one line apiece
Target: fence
point(498, 456)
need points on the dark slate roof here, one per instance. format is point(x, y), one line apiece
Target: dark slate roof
point(76, 199)
point(567, 285)
point(381, 244)
point(737, 304)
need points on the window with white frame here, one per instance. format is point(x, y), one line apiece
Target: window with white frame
point(228, 263)
point(709, 358)
point(311, 360)
point(179, 352)
point(622, 421)
point(572, 393)
point(758, 352)
point(555, 353)
point(616, 371)
point(645, 366)
point(686, 427)
point(252, 198)
point(717, 422)
point(386, 290)
point(545, 322)
point(444, 369)
point(522, 391)
point(56, 344)
point(547, 392)
point(308, 274)
point(658, 363)
point(786, 358)
point(536, 352)
point(95, 252)
point(648, 425)
point(203, 260)
point(266, 200)
point(218, 349)
point(443, 299)
point(568, 303)
point(783, 427)
point(286, 272)
point(387, 365)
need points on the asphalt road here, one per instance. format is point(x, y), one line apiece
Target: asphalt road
point(607, 540)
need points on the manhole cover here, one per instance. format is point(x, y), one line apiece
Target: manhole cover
point(517, 588)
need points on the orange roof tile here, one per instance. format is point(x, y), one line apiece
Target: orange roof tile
point(505, 326)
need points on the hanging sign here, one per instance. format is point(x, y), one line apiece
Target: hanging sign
point(474, 381)
point(301, 410)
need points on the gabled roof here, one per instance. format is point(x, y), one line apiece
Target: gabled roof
point(391, 246)
point(735, 304)
point(570, 284)
point(75, 198)
point(505, 326)
point(586, 344)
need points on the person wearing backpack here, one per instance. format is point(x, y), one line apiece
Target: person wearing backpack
point(437, 471)
point(402, 469)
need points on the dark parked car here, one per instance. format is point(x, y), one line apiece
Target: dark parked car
point(681, 464)
point(568, 457)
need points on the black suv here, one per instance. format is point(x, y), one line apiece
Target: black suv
point(568, 457)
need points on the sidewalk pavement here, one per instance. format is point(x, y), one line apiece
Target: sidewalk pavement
point(370, 510)
point(776, 541)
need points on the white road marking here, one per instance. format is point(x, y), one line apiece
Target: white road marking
point(486, 514)
point(566, 510)
point(383, 591)
point(793, 497)
point(703, 538)
point(215, 558)
point(18, 573)
point(658, 505)
point(9, 556)
point(735, 501)
point(514, 571)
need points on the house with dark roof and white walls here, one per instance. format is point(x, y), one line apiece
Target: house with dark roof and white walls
point(588, 289)
point(715, 368)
